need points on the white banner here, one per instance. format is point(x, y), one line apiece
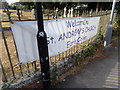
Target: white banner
point(62, 34)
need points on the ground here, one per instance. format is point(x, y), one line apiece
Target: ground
point(99, 73)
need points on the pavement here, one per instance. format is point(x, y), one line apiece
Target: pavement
point(97, 74)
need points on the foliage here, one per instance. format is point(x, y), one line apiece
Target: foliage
point(60, 5)
point(55, 73)
point(118, 13)
point(100, 35)
point(28, 5)
point(7, 85)
point(89, 50)
point(116, 22)
point(118, 6)
point(116, 26)
point(53, 5)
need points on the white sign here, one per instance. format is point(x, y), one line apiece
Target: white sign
point(61, 35)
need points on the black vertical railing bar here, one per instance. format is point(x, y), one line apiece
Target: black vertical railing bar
point(65, 54)
point(54, 59)
point(20, 66)
point(69, 51)
point(18, 13)
point(62, 55)
point(48, 15)
point(53, 15)
point(59, 57)
point(3, 71)
point(50, 61)
point(34, 62)
point(43, 48)
point(35, 66)
point(8, 13)
point(28, 68)
point(75, 48)
point(8, 53)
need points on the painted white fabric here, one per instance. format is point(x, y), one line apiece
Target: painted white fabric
point(62, 34)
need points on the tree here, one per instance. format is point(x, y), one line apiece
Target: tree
point(60, 5)
point(28, 5)
point(99, 6)
point(118, 12)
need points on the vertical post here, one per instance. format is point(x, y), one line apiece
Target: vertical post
point(48, 14)
point(43, 48)
point(18, 13)
point(35, 67)
point(91, 12)
point(20, 66)
point(35, 13)
point(109, 30)
point(71, 12)
point(8, 13)
point(56, 14)
point(112, 12)
point(21, 7)
point(11, 65)
point(64, 14)
point(1, 66)
point(28, 68)
point(97, 8)
point(3, 72)
point(68, 15)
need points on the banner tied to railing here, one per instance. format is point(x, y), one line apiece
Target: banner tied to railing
point(62, 34)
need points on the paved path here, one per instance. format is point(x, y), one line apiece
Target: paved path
point(97, 74)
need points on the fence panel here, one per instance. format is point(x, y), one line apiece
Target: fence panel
point(13, 70)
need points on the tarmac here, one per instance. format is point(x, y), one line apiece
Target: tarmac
point(97, 74)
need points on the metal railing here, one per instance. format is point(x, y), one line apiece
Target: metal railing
point(12, 69)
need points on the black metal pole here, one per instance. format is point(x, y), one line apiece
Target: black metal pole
point(43, 48)
point(18, 13)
